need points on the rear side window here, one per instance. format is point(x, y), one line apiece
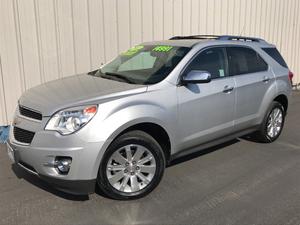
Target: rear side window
point(245, 60)
point(274, 53)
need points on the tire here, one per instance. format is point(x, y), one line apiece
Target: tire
point(264, 134)
point(132, 166)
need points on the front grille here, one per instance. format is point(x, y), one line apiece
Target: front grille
point(30, 113)
point(23, 136)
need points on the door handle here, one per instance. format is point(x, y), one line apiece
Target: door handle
point(227, 89)
point(266, 79)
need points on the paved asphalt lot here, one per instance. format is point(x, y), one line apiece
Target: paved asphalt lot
point(240, 182)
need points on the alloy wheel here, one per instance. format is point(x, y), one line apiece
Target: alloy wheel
point(131, 168)
point(274, 124)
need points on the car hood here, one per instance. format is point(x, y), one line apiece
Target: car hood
point(76, 90)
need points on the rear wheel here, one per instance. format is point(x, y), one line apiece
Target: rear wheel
point(132, 166)
point(272, 124)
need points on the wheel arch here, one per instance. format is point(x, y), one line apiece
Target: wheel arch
point(283, 100)
point(151, 126)
point(273, 94)
point(156, 131)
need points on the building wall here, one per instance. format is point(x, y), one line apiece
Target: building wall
point(42, 40)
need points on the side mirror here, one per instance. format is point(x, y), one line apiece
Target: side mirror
point(196, 77)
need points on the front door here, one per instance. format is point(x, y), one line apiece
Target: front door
point(206, 111)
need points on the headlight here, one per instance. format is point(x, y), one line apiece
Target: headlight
point(70, 120)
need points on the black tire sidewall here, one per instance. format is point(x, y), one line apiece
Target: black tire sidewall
point(139, 138)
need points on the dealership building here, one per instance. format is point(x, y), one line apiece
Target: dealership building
point(45, 40)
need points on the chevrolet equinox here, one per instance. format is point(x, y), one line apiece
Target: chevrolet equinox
point(118, 127)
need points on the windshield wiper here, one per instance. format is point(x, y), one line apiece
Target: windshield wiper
point(93, 73)
point(109, 75)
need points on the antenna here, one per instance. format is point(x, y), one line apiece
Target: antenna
point(243, 29)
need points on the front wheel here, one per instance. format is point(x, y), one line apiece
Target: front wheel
point(132, 166)
point(272, 124)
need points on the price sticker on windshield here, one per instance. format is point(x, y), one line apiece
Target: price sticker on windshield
point(133, 50)
point(162, 48)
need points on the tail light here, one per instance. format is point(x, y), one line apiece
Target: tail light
point(291, 75)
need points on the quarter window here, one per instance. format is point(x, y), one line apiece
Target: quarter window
point(212, 60)
point(274, 53)
point(244, 60)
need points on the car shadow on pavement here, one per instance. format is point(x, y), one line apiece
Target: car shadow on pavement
point(32, 179)
point(251, 138)
point(202, 152)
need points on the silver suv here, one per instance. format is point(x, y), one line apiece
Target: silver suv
point(118, 127)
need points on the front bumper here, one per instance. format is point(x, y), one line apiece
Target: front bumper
point(38, 158)
point(39, 163)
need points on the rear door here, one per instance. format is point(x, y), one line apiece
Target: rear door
point(253, 78)
point(205, 111)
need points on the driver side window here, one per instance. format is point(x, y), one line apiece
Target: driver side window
point(212, 60)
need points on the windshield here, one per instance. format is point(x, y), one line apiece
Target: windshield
point(143, 64)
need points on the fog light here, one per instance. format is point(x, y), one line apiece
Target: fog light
point(63, 164)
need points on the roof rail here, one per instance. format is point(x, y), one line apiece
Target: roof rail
point(195, 37)
point(240, 38)
point(220, 37)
